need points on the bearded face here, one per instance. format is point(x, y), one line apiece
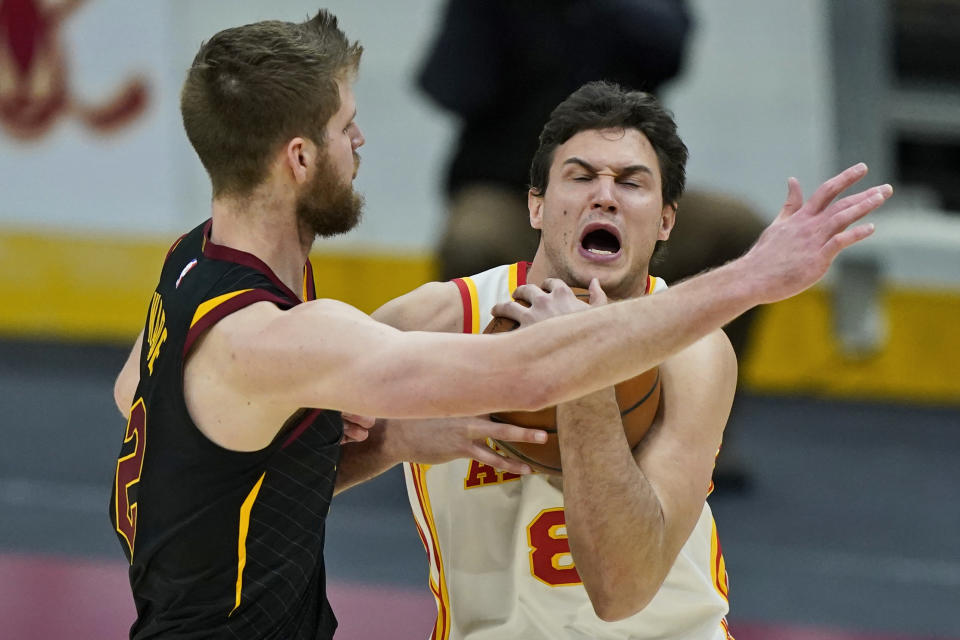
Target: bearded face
point(328, 205)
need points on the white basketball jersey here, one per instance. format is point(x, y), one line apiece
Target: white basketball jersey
point(500, 563)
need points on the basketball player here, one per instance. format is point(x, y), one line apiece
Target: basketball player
point(231, 450)
point(624, 546)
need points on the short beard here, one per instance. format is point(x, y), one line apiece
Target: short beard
point(327, 206)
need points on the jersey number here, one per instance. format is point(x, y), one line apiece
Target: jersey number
point(129, 468)
point(550, 559)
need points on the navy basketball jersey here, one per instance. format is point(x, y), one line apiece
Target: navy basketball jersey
point(221, 543)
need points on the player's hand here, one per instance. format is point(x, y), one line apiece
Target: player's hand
point(554, 299)
point(435, 441)
point(356, 428)
point(796, 250)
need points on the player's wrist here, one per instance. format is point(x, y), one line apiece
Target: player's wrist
point(740, 283)
point(379, 443)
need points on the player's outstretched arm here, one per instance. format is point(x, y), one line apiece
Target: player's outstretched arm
point(327, 354)
point(430, 441)
point(628, 514)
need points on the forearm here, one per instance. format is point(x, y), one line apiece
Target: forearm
point(614, 518)
point(605, 345)
point(422, 374)
point(363, 461)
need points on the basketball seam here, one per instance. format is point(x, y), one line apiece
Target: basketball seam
point(527, 459)
point(644, 398)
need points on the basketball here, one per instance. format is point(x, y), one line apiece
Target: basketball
point(638, 398)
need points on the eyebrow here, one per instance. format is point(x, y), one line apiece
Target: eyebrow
point(627, 170)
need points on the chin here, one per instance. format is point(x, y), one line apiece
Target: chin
point(616, 286)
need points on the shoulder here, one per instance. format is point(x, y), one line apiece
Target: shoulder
point(435, 306)
point(707, 369)
point(712, 353)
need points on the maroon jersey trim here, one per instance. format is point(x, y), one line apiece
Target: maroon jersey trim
point(228, 254)
point(224, 309)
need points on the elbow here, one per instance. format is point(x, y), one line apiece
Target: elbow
point(614, 602)
point(122, 397)
point(536, 399)
point(617, 593)
point(118, 396)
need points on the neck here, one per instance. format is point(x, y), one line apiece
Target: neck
point(264, 224)
point(540, 269)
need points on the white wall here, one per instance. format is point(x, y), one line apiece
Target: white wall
point(406, 137)
point(754, 107)
point(76, 179)
point(755, 104)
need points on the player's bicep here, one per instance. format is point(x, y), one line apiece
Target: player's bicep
point(327, 354)
point(294, 356)
point(434, 306)
point(678, 454)
point(322, 353)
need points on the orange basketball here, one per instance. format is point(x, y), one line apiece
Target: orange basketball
point(638, 398)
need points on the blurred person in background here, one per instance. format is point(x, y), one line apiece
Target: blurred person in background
point(502, 66)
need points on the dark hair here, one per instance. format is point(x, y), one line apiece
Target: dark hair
point(605, 105)
point(252, 88)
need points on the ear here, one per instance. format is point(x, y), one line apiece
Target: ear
point(535, 206)
point(299, 155)
point(668, 217)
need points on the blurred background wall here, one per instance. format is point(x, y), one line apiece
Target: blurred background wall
point(98, 175)
point(97, 179)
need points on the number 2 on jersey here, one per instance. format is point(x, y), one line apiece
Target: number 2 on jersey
point(129, 468)
point(550, 559)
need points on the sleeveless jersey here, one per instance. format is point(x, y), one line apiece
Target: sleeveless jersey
point(221, 543)
point(500, 563)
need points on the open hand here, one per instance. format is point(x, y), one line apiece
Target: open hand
point(434, 441)
point(798, 247)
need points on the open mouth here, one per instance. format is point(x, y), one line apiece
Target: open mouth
point(600, 242)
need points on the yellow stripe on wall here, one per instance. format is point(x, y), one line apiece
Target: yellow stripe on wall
point(77, 287)
point(65, 286)
point(793, 349)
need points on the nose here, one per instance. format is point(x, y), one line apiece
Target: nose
point(603, 199)
point(358, 140)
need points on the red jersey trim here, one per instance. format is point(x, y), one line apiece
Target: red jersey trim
point(307, 420)
point(522, 273)
point(467, 304)
point(174, 246)
point(441, 629)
